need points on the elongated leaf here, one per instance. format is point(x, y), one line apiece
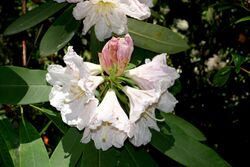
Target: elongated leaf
point(10, 137)
point(247, 18)
point(32, 149)
point(126, 156)
point(155, 38)
point(5, 159)
point(34, 17)
point(69, 149)
point(22, 86)
point(185, 150)
point(59, 34)
point(185, 126)
point(238, 61)
point(55, 117)
point(222, 76)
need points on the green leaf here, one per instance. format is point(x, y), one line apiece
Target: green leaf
point(5, 159)
point(34, 17)
point(55, 117)
point(185, 126)
point(32, 149)
point(247, 18)
point(156, 38)
point(238, 61)
point(60, 33)
point(95, 46)
point(22, 86)
point(221, 77)
point(184, 149)
point(126, 156)
point(10, 137)
point(69, 149)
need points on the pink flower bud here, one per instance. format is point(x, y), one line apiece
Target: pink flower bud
point(116, 55)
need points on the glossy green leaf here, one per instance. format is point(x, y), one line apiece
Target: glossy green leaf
point(185, 126)
point(34, 17)
point(32, 149)
point(69, 149)
point(126, 156)
point(55, 117)
point(156, 38)
point(238, 61)
point(247, 18)
point(59, 33)
point(221, 77)
point(184, 149)
point(5, 159)
point(10, 137)
point(22, 86)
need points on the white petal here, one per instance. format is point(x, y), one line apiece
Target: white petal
point(135, 9)
point(111, 111)
point(140, 132)
point(94, 69)
point(167, 102)
point(78, 112)
point(102, 30)
point(140, 101)
point(81, 10)
point(57, 75)
point(149, 3)
point(106, 136)
point(154, 74)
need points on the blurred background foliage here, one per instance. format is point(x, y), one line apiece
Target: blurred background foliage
point(213, 90)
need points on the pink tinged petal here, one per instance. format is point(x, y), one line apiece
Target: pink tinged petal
point(167, 102)
point(140, 101)
point(135, 9)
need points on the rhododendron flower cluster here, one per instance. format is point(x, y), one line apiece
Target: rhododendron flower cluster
point(112, 104)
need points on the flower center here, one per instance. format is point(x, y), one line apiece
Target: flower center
point(76, 92)
point(105, 7)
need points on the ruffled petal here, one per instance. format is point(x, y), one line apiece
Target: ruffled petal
point(167, 102)
point(135, 9)
point(140, 101)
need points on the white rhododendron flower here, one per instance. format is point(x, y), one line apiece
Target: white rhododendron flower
point(109, 15)
point(141, 114)
point(156, 74)
point(73, 90)
point(109, 124)
point(140, 129)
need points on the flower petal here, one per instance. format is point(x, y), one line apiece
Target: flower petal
point(135, 9)
point(167, 102)
point(140, 101)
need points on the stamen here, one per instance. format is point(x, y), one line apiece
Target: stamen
point(154, 118)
